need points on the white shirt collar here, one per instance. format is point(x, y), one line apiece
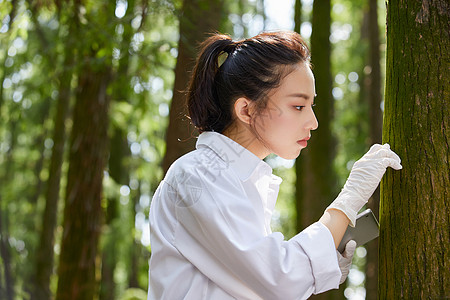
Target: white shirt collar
point(243, 162)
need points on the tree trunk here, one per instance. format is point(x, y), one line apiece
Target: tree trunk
point(109, 253)
point(5, 248)
point(298, 162)
point(414, 213)
point(297, 15)
point(44, 256)
point(83, 212)
point(317, 174)
point(375, 125)
point(200, 18)
point(133, 281)
point(119, 154)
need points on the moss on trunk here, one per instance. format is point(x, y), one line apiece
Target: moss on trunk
point(414, 260)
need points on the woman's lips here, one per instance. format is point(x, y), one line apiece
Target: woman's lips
point(303, 142)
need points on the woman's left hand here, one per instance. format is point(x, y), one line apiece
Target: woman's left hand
point(345, 259)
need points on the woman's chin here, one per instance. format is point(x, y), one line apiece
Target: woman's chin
point(290, 156)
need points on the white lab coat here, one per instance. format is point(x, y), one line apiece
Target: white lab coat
point(211, 237)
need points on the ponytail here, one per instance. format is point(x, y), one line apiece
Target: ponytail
point(226, 70)
point(205, 110)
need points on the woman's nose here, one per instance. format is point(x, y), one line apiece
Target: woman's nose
point(312, 124)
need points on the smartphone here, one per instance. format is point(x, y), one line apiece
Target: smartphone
point(365, 230)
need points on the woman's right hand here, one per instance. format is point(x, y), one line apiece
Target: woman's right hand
point(364, 178)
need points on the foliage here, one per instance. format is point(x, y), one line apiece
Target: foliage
point(143, 46)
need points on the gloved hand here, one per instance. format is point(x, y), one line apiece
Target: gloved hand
point(345, 259)
point(364, 178)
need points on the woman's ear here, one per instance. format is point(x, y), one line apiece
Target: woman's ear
point(243, 109)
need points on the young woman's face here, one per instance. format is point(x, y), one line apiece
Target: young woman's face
point(285, 125)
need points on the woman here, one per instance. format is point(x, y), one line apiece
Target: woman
point(210, 216)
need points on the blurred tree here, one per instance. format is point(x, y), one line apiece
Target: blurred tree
point(318, 179)
point(7, 280)
point(87, 157)
point(298, 162)
point(199, 18)
point(119, 153)
point(375, 124)
point(297, 15)
point(414, 239)
point(44, 255)
point(34, 39)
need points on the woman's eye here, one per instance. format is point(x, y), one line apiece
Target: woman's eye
point(299, 108)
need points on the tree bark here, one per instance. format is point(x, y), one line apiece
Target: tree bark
point(199, 18)
point(414, 235)
point(83, 212)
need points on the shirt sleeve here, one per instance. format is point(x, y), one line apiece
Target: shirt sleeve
point(215, 232)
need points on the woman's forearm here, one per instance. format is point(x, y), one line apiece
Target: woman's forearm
point(337, 222)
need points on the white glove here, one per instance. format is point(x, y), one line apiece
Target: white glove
point(345, 259)
point(364, 178)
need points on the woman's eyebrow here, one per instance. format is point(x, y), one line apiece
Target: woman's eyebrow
point(300, 95)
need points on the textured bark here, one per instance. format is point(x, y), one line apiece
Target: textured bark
point(375, 127)
point(199, 18)
point(414, 213)
point(82, 211)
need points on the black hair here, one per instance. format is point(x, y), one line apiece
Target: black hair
point(227, 70)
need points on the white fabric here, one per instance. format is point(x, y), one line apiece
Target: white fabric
point(364, 178)
point(211, 237)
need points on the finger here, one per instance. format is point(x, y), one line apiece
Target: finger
point(349, 249)
point(392, 162)
point(339, 255)
point(384, 152)
point(374, 148)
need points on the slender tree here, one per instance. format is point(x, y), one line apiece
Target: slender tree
point(7, 278)
point(119, 154)
point(200, 18)
point(317, 173)
point(5, 248)
point(315, 169)
point(87, 160)
point(297, 15)
point(375, 123)
point(44, 256)
point(82, 212)
point(298, 162)
point(414, 252)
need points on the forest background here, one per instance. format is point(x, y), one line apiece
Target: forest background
point(90, 119)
